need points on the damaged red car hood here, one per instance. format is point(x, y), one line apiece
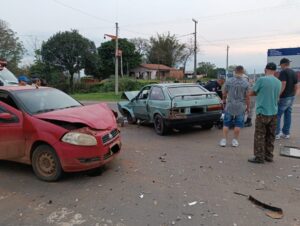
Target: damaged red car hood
point(96, 116)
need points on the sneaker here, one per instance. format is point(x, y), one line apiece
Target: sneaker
point(223, 143)
point(278, 136)
point(285, 136)
point(235, 143)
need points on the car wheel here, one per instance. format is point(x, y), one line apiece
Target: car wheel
point(208, 126)
point(159, 125)
point(130, 119)
point(46, 164)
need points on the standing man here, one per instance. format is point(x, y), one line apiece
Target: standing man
point(289, 82)
point(236, 97)
point(267, 90)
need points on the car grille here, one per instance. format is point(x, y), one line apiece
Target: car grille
point(108, 137)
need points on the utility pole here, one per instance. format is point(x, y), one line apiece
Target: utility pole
point(117, 62)
point(195, 48)
point(227, 52)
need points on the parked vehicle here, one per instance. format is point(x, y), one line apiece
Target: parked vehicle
point(172, 105)
point(54, 133)
point(7, 78)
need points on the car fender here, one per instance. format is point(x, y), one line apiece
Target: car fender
point(156, 112)
point(122, 106)
point(43, 137)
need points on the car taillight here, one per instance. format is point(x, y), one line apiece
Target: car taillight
point(215, 107)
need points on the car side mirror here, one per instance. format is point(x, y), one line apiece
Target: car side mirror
point(6, 117)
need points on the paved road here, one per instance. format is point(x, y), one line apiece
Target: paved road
point(181, 179)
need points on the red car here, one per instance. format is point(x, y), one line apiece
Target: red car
point(54, 133)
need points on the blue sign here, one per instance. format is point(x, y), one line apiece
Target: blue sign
point(284, 52)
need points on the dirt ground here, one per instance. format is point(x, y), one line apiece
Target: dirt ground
point(181, 179)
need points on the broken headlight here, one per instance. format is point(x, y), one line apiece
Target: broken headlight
point(80, 139)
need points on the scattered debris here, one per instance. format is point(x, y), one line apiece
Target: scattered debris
point(288, 151)
point(272, 211)
point(162, 158)
point(193, 203)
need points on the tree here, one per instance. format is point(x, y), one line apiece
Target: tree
point(131, 58)
point(207, 68)
point(11, 48)
point(187, 53)
point(68, 51)
point(141, 46)
point(165, 49)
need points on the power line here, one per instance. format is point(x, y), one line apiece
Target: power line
point(82, 12)
point(281, 6)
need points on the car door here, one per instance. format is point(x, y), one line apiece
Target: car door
point(12, 139)
point(157, 102)
point(140, 108)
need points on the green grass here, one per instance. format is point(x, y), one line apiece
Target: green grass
point(110, 96)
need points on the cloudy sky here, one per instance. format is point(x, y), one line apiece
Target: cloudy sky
point(249, 27)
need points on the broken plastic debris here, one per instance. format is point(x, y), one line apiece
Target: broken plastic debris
point(193, 203)
point(141, 195)
point(290, 151)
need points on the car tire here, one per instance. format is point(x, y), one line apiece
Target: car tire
point(130, 119)
point(160, 125)
point(46, 164)
point(208, 126)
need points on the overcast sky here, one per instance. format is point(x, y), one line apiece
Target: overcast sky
point(249, 27)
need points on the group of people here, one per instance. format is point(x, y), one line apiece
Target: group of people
point(35, 81)
point(273, 97)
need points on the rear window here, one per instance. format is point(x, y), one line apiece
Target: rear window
point(191, 90)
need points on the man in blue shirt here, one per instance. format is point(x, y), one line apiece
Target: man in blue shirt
point(267, 90)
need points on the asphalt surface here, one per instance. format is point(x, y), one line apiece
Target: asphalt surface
point(180, 179)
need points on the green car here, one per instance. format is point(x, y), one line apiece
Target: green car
point(172, 105)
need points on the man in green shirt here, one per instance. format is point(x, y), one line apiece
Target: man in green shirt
point(267, 91)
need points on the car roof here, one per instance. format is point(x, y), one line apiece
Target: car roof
point(19, 88)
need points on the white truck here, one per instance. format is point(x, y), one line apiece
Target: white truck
point(7, 78)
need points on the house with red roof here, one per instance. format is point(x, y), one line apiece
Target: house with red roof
point(156, 71)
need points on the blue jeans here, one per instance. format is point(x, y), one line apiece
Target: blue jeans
point(233, 120)
point(285, 108)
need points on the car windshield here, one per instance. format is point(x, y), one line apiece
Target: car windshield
point(44, 100)
point(8, 77)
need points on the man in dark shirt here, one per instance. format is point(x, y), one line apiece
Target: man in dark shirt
point(216, 86)
point(289, 83)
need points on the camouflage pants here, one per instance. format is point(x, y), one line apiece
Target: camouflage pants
point(264, 136)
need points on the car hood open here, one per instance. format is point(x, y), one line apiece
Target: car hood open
point(96, 116)
point(129, 95)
